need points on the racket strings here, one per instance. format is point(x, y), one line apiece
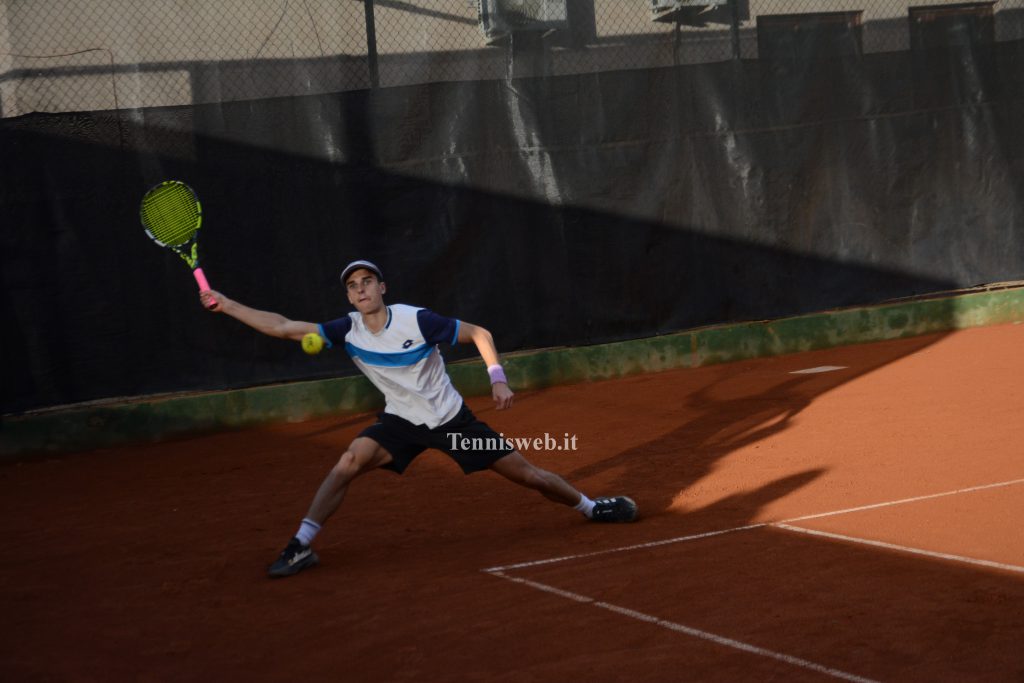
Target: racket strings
point(171, 214)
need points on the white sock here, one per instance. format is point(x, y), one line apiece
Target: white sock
point(307, 531)
point(586, 506)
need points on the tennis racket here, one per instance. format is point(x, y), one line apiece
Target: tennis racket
point(171, 215)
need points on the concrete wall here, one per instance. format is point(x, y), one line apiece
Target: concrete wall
point(130, 53)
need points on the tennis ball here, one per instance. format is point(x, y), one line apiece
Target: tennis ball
point(312, 343)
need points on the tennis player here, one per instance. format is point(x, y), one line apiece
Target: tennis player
point(396, 347)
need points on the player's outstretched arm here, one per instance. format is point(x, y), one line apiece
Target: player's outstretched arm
point(267, 322)
point(484, 342)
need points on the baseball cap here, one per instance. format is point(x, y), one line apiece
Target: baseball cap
point(356, 265)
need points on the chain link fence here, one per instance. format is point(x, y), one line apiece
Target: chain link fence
point(65, 55)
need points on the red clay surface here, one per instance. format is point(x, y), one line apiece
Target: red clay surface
point(148, 563)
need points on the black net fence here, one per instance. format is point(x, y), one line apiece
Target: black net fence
point(561, 172)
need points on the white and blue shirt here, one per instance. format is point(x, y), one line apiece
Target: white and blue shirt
point(403, 361)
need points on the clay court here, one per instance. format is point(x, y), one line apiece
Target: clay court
point(855, 523)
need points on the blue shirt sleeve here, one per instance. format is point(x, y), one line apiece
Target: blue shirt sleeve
point(334, 331)
point(437, 329)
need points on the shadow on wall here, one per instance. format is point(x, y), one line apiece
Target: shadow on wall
point(278, 228)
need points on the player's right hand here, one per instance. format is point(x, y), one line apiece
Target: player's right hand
point(502, 395)
point(212, 301)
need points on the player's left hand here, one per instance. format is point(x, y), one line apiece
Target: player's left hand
point(502, 395)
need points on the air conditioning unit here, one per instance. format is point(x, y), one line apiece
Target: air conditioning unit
point(498, 18)
point(672, 10)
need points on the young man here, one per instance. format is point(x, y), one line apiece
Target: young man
point(396, 348)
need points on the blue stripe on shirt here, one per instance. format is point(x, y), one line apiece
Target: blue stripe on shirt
point(390, 360)
point(323, 335)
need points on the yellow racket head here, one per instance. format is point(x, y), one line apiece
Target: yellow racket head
point(171, 213)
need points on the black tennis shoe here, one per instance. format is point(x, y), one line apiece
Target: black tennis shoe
point(617, 509)
point(294, 558)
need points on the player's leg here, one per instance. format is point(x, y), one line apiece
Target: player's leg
point(362, 456)
point(519, 470)
point(489, 450)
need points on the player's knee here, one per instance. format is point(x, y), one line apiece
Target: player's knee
point(346, 468)
point(359, 457)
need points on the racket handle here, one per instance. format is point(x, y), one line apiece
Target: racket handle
point(204, 286)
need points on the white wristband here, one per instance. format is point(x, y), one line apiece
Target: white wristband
point(497, 374)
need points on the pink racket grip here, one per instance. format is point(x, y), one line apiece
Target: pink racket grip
point(204, 286)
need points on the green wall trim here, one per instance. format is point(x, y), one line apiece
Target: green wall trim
point(158, 418)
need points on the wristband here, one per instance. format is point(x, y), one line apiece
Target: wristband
point(497, 374)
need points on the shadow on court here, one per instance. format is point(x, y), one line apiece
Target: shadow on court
point(714, 411)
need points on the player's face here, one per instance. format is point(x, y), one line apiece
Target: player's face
point(365, 291)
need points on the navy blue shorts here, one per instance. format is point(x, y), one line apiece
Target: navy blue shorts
point(467, 440)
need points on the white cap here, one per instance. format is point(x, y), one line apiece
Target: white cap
point(356, 265)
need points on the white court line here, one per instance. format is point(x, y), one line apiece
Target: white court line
point(638, 546)
point(819, 369)
point(694, 537)
point(915, 499)
point(687, 630)
point(904, 549)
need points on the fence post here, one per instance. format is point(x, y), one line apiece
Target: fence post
point(371, 44)
point(734, 29)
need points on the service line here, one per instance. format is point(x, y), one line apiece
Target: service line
point(748, 527)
